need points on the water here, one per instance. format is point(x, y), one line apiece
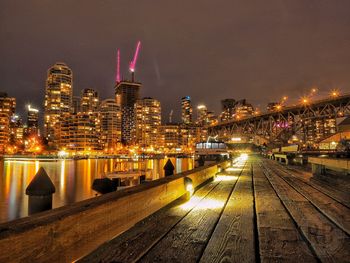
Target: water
point(72, 178)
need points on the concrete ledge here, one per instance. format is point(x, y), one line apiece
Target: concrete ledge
point(70, 232)
point(320, 164)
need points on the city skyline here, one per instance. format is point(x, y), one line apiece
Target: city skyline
point(176, 65)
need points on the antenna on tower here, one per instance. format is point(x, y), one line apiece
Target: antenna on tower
point(117, 75)
point(171, 116)
point(132, 65)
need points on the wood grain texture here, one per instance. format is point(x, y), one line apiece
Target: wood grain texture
point(132, 244)
point(185, 242)
point(329, 242)
point(334, 210)
point(279, 239)
point(233, 239)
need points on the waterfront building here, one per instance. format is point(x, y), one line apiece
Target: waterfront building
point(89, 101)
point(58, 100)
point(7, 104)
point(16, 130)
point(169, 136)
point(32, 121)
point(202, 113)
point(211, 119)
point(7, 110)
point(79, 133)
point(76, 104)
point(188, 137)
point(126, 95)
point(147, 122)
point(228, 107)
point(111, 120)
point(4, 130)
point(314, 131)
point(186, 110)
point(243, 109)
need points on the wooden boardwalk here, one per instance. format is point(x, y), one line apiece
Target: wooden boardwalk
point(255, 211)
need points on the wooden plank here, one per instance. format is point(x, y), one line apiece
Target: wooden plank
point(186, 241)
point(337, 188)
point(132, 244)
point(334, 210)
point(233, 238)
point(279, 239)
point(329, 242)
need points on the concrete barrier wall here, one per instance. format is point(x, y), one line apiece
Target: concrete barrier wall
point(70, 232)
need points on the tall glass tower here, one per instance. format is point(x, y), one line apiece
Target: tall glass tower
point(58, 100)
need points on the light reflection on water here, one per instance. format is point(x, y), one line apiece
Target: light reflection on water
point(72, 179)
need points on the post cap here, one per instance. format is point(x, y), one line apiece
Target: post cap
point(41, 184)
point(169, 166)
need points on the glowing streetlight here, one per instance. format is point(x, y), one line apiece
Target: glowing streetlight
point(304, 100)
point(334, 93)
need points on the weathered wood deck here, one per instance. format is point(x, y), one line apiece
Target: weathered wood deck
point(258, 211)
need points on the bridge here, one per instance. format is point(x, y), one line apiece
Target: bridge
point(278, 127)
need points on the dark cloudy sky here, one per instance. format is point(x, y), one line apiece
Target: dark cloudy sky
point(210, 50)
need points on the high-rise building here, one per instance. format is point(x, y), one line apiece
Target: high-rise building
point(16, 130)
point(147, 122)
point(186, 110)
point(126, 95)
point(89, 101)
point(7, 104)
point(202, 113)
point(58, 100)
point(79, 133)
point(32, 121)
point(76, 104)
point(227, 106)
point(170, 136)
point(4, 130)
point(111, 122)
point(7, 110)
point(243, 109)
point(211, 118)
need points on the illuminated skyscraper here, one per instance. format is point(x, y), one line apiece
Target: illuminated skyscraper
point(202, 114)
point(186, 110)
point(89, 101)
point(126, 95)
point(147, 121)
point(16, 130)
point(76, 104)
point(7, 110)
point(79, 133)
point(227, 106)
point(170, 137)
point(111, 120)
point(32, 121)
point(58, 100)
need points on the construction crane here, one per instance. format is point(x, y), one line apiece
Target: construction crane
point(117, 75)
point(171, 116)
point(132, 65)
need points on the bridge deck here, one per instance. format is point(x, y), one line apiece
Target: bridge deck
point(258, 211)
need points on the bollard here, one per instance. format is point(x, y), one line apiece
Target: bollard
point(201, 160)
point(142, 179)
point(105, 185)
point(40, 191)
point(169, 168)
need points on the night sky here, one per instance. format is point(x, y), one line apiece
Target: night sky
point(210, 50)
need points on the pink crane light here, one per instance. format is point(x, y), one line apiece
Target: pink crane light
point(117, 75)
point(133, 62)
